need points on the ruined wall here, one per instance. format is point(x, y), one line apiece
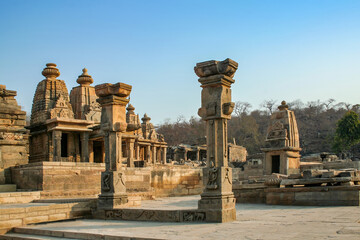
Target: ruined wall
point(13, 135)
point(168, 182)
point(249, 193)
point(247, 171)
point(237, 153)
point(59, 179)
point(69, 179)
point(314, 196)
point(330, 165)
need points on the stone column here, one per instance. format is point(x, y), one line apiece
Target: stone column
point(137, 151)
point(148, 154)
point(91, 151)
point(56, 140)
point(164, 155)
point(113, 100)
point(130, 146)
point(217, 200)
point(197, 154)
point(185, 155)
point(84, 147)
point(154, 155)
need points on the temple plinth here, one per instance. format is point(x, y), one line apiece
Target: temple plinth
point(113, 100)
point(216, 78)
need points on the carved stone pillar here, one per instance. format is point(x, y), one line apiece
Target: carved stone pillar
point(130, 146)
point(198, 154)
point(154, 155)
point(217, 200)
point(137, 151)
point(148, 154)
point(164, 155)
point(56, 140)
point(91, 151)
point(113, 100)
point(84, 146)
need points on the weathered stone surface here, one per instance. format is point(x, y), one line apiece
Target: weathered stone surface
point(283, 153)
point(216, 107)
point(83, 99)
point(13, 135)
point(314, 196)
point(314, 181)
point(18, 215)
point(113, 100)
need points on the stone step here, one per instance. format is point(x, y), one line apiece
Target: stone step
point(16, 215)
point(36, 233)
point(19, 197)
point(19, 236)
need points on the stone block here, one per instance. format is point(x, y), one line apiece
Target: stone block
point(7, 224)
point(280, 198)
point(12, 210)
point(7, 187)
point(17, 215)
point(37, 208)
point(35, 219)
point(4, 217)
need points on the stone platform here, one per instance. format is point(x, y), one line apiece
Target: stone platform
point(254, 221)
point(16, 215)
point(314, 196)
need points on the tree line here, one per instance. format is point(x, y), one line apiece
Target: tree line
point(316, 121)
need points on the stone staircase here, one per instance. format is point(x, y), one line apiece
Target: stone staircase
point(16, 215)
point(36, 233)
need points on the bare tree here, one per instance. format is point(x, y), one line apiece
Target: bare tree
point(329, 103)
point(296, 104)
point(316, 106)
point(268, 105)
point(344, 105)
point(241, 108)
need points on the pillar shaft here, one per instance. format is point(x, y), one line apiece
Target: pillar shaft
point(85, 147)
point(56, 135)
point(154, 160)
point(130, 152)
point(137, 151)
point(198, 155)
point(164, 155)
point(148, 154)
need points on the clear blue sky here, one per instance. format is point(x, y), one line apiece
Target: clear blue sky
point(288, 50)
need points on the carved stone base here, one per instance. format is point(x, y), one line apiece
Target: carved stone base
point(218, 208)
point(112, 201)
point(113, 191)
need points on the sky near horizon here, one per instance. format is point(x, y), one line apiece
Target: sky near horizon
point(286, 50)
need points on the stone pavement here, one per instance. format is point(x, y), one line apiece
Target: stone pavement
point(254, 221)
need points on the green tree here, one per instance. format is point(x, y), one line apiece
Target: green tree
point(347, 132)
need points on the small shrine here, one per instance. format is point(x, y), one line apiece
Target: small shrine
point(283, 152)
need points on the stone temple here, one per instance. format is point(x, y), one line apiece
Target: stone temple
point(87, 154)
point(66, 129)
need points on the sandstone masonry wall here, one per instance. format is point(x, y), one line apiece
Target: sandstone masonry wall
point(15, 216)
point(79, 180)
